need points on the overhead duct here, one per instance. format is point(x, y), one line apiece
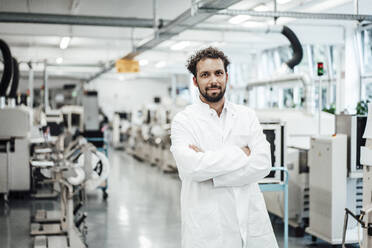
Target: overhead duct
point(106, 21)
point(291, 63)
point(7, 72)
point(284, 30)
point(296, 47)
point(15, 81)
point(304, 79)
point(184, 21)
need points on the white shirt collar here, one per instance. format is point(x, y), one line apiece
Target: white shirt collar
point(206, 107)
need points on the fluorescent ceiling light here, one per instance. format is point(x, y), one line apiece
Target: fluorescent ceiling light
point(65, 41)
point(283, 1)
point(180, 45)
point(239, 19)
point(143, 62)
point(327, 5)
point(160, 64)
point(284, 20)
point(253, 24)
point(59, 60)
point(245, 4)
point(218, 44)
point(166, 43)
point(261, 7)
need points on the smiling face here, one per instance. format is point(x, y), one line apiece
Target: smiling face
point(211, 79)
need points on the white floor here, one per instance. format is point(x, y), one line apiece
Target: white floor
point(142, 211)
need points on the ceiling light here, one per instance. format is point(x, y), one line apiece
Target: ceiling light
point(143, 62)
point(326, 5)
point(59, 60)
point(218, 44)
point(180, 45)
point(242, 5)
point(239, 19)
point(65, 41)
point(284, 20)
point(261, 7)
point(253, 24)
point(166, 43)
point(283, 1)
point(160, 64)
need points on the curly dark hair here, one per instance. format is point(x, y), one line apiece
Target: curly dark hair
point(209, 52)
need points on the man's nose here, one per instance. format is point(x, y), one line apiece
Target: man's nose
point(213, 79)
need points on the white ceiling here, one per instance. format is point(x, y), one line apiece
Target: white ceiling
point(91, 46)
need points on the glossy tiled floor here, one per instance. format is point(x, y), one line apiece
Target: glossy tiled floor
point(142, 211)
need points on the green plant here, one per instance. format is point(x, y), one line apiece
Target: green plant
point(362, 107)
point(330, 109)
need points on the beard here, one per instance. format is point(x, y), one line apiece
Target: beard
point(213, 97)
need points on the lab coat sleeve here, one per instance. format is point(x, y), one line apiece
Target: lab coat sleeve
point(258, 165)
point(202, 166)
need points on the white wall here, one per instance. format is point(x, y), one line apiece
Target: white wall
point(23, 85)
point(115, 95)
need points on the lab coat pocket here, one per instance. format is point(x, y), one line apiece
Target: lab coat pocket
point(258, 217)
point(204, 223)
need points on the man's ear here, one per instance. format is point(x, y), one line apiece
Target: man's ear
point(227, 77)
point(195, 82)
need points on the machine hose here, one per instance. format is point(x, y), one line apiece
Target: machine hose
point(15, 80)
point(8, 67)
point(296, 47)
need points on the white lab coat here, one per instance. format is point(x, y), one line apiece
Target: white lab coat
point(221, 203)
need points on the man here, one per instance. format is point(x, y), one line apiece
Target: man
point(221, 153)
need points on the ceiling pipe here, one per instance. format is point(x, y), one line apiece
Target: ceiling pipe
point(85, 20)
point(290, 14)
point(304, 79)
point(184, 21)
point(7, 72)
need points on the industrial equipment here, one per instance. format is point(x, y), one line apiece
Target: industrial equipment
point(75, 167)
point(364, 216)
point(149, 133)
point(353, 126)
point(14, 131)
point(91, 114)
point(73, 117)
point(54, 121)
point(120, 129)
point(299, 128)
point(275, 132)
point(328, 185)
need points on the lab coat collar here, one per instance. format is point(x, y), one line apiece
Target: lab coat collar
point(227, 107)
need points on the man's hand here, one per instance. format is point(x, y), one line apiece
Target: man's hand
point(246, 150)
point(195, 148)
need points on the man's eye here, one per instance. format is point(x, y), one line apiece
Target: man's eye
point(203, 75)
point(219, 73)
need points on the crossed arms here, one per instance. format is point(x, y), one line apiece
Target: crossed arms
point(229, 166)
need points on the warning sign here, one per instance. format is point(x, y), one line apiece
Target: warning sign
point(127, 66)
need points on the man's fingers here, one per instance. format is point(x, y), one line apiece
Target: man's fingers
point(195, 148)
point(246, 150)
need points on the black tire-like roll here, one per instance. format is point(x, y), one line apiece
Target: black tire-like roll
point(15, 79)
point(296, 47)
point(8, 67)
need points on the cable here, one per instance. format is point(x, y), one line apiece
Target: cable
point(295, 45)
point(360, 219)
point(8, 67)
point(15, 79)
